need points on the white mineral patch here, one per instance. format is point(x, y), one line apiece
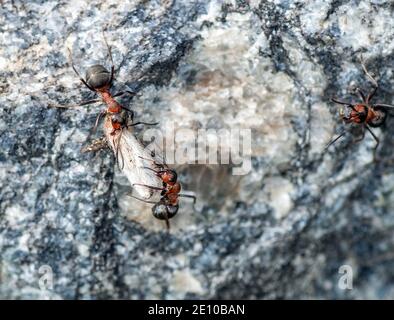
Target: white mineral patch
point(321, 127)
point(24, 242)
point(3, 63)
point(15, 215)
point(184, 282)
point(279, 194)
point(64, 136)
point(213, 11)
point(314, 14)
point(357, 28)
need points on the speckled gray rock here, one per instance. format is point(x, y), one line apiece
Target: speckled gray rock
point(281, 231)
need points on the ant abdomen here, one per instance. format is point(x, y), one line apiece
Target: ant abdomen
point(163, 211)
point(380, 117)
point(97, 76)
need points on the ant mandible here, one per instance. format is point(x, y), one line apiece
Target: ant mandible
point(168, 205)
point(366, 114)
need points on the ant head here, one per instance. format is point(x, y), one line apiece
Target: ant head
point(97, 76)
point(163, 210)
point(169, 176)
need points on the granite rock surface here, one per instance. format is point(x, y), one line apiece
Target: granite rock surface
point(69, 230)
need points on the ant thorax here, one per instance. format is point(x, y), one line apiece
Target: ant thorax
point(356, 114)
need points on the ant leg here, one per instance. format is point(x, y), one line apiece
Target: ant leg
point(335, 140)
point(100, 115)
point(77, 105)
point(361, 94)
point(341, 102)
point(383, 105)
point(151, 160)
point(362, 135)
point(75, 70)
point(128, 110)
point(110, 56)
point(374, 82)
point(84, 103)
point(121, 93)
point(153, 202)
point(150, 187)
point(371, 94)
point(188, 196)
point(93, 131)
point(376, 139)
point(145, 123)
point(167, 222)
point(155, 171)
point(155, 163)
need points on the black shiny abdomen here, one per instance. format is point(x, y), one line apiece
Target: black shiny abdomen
point(97, 76)
point(160, 210)
point(380, 118)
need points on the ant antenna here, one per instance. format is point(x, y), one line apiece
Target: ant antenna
point(70, 58)
point(335, 140)
point(341, 102)
point(375, 83)
point(110, 56)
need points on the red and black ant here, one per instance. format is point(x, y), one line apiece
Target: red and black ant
point(366, 114)
point(168, 205)
point(99, 80)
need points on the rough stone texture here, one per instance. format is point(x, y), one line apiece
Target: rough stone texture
point(282, 231)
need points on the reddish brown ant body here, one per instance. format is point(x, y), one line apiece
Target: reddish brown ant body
point(168, 205)
point(366, 114)
point(99, 80)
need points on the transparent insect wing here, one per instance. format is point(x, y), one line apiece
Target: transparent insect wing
point(132, 158)
point(156, 152)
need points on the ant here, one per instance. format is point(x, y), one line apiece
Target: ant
point(99, 80)
point(366, 114)
point(168, 205)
